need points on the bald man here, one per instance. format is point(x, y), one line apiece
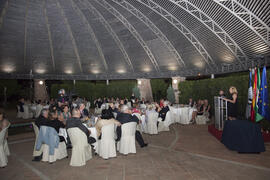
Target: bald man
point(75, 121)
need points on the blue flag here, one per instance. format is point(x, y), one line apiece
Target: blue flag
point(263, 102)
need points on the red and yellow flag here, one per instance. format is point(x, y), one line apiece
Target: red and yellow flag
point(252, 116)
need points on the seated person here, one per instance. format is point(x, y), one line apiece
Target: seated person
point(163, 111)
point(136, 109)
point(55, 123)
point(126, 117)
point(107, 113)
point(43, 118)
point(83, 112)
point(161, 103)
point(191, 102)
point(20, 104)
point(200, 107)
point(103, 121)
point(65, 113)
point(75, 121)
point(206, 108)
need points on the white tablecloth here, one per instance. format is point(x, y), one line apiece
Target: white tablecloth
point(63, 132)
point(94, 135)
point(181, 115)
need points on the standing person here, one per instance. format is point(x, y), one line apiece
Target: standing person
point(232, 104)
point(221, 94)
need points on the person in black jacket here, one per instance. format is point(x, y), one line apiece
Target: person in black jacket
point(75, 121)
point(163, 111)
point(126, 117)
point(43, 118)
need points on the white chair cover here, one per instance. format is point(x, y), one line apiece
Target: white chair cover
point(126, 144)
point(152, 123)
point(164, 125)
point(106, 146)
point(4, 151)
point(139, 125)
point(59, 153)
point(176, 113)
point(81, 150)
point(35, 152)
point(87, 106)
point(26, 113)
point(168, 119)
point(38, 110)
point(98, 110)
point(201, 119)
point(19, 113)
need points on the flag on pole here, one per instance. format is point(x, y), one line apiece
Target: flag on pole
point(249, 102)
point(252, 116)
point(257, 115)
point(263, 102)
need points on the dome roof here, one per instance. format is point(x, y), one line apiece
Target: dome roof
point(129, 39)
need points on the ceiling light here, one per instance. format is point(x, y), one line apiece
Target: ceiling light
point(121, 71)
point(40, 71)
point(8, 68)
point(69, 71)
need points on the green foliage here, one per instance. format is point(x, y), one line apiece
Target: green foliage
point(159, 87)
point(170, 94)
point(13, 88)
point(136, 92)
point(92, 90)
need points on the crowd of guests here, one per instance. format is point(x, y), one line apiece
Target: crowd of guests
point(63, 114)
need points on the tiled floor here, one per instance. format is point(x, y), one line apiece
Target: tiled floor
point(186, 152)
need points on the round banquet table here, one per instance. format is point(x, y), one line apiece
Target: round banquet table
point(181, 115)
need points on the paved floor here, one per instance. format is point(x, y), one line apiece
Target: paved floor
point(186, 152)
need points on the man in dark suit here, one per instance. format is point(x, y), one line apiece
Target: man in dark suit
point(75, 121)
point(163, 111)
point(126, 117)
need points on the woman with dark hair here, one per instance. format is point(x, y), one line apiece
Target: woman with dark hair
point(65, 113)
point(232, 104)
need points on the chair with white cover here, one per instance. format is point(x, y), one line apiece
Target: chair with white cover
point(87, 106)
point(60, 151)
point(152, 123)
point(19, 113)
point(38, 110)
point(201, 119)
point(126, 144)
point(106, 146)
point(139, 125)
point(36, 152)
point(4, 150)
point(26, 114)
point(164, 125)
point(81, 150)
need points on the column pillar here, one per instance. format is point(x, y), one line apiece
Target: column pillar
point(175, 84)
point(145, 88)
point(40, 92)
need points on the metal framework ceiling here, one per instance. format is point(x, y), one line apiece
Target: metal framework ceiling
point(129, 39)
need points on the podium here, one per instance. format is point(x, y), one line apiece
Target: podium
point(221, 112)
